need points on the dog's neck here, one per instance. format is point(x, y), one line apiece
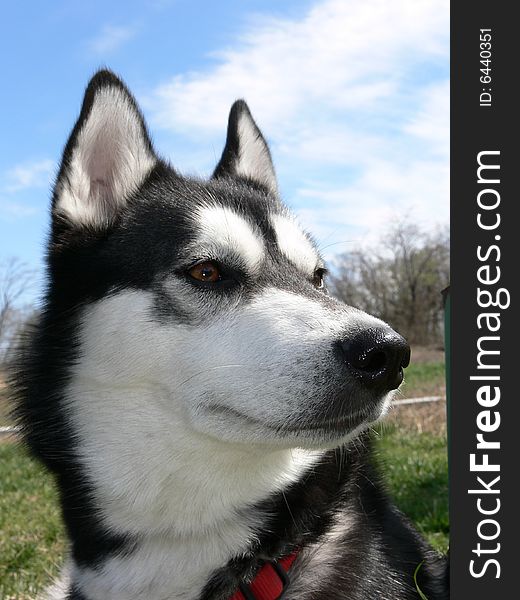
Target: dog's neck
point(185, 503)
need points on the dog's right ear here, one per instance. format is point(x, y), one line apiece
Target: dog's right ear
point(108, 156)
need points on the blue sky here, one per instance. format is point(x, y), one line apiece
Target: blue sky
point(352, 95)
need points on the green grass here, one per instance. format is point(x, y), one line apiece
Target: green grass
point(415, 467)
point(31, 535)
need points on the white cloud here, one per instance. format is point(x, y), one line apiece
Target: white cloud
point(431, 122)
point(388, 191)
point(354, 100)
point(35, 174)
point(17, 182)
point(341, 55)
point(111, 38)
point(11, 210)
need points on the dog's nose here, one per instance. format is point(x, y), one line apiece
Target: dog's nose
point(377, 356)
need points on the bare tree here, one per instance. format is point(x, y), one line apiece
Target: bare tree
point(16, 280)
point(400, 281)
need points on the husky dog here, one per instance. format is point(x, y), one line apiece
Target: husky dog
point(200, 399)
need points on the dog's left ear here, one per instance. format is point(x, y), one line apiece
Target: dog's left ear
point(246, 153)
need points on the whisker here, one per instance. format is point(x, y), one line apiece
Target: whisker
point(337, 243)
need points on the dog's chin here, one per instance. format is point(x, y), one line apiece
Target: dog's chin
point(338, 431)
point(231, 426)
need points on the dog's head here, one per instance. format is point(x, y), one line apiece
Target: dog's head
point(203, 303)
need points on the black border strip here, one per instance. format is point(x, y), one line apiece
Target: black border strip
point(486, 123)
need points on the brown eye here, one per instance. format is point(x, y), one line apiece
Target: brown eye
point(317, 280)
point(205, 271)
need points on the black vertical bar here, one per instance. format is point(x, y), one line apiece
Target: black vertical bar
point(484, 118)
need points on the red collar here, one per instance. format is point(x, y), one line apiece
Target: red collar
point(270, 581)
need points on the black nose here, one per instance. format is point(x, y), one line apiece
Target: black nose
point(377, 356)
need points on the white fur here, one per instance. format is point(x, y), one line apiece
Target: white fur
point(60, 588)
point(164, 466)
point(109, 162)
point(162, 567)
point(221, 230)
point(294, 244)
point(254, 160)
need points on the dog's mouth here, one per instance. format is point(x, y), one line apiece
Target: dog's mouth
point(305, 426)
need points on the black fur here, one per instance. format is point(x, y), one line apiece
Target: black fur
point(376, 558)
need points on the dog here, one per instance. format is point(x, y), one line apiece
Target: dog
point(201, 400)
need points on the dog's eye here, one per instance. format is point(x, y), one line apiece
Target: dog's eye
point(205, 271)
point(318, 278)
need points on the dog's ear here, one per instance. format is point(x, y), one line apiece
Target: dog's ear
point(246, 153)
point(107, 157)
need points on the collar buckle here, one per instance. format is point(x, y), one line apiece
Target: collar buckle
point(282, 574)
